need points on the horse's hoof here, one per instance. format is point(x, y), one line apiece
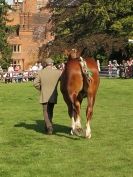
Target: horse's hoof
point(72, 132)
point(88, 136)
point(78, 132)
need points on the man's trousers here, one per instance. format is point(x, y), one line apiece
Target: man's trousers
point(48, 113)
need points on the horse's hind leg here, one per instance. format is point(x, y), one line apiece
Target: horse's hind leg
point(71, 113)
point(76, 120)
point(89, 111)
point(75, 124)
point(77, 107)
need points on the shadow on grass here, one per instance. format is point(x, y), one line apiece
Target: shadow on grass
point(59, 130)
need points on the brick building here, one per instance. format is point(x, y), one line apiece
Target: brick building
point(33, 30)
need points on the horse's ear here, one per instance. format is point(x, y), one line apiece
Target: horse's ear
point(85, 52)
point(66, 52)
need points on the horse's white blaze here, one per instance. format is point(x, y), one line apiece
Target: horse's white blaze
point(88, 130)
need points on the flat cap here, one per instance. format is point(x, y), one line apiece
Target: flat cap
point(49, 61)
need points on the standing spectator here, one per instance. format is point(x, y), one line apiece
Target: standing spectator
point(10, 68)
point(1, 70)
point(1, 73)
point(10, 71)
point(34, 70)
point(46, 82)
point(98, 65)
point(110, 66)
point(115, 68)
point(61, 66)
point(125, 66)
point(40, 66)
point(130, 67)
point(122, 69)
point(30, 68)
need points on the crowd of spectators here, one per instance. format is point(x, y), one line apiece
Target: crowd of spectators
point(122, 70)
point(15, 74)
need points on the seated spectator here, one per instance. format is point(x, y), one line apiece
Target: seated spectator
point(14, 76)
point(31, 76)
point(19, 77)
point(7, 77)
point(17, 68)
point(25, 76)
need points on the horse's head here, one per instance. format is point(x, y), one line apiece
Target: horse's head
point(72, 53)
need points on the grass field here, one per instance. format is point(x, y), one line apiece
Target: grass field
point(25, 151)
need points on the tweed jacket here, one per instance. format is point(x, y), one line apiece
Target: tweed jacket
point(46, 82)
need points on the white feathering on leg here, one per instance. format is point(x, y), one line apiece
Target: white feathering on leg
point(78, 123)
point(73, 126)
point(88, 131)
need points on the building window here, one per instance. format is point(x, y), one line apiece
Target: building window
point(17, 62)
point(16, 48)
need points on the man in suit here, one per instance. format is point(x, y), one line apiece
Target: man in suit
point(46, 82)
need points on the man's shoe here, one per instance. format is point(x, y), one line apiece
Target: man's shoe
point(45, 128)
point(50, 130)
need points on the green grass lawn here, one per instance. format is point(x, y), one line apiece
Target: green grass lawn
point(25, 151)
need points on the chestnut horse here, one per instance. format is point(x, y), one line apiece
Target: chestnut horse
point(76, 85)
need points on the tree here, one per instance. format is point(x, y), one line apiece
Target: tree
point(5, 49)
point(83, 18)
point(91, 23)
